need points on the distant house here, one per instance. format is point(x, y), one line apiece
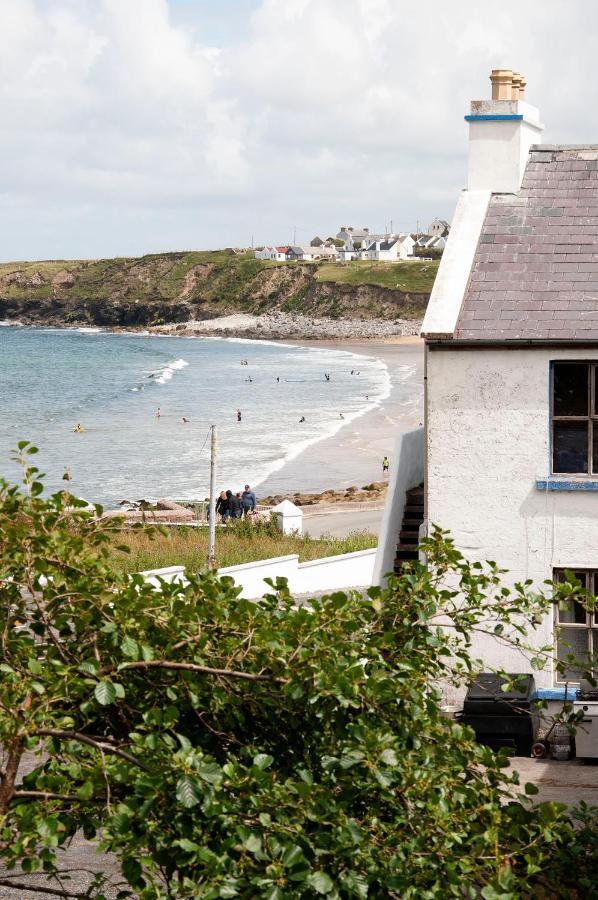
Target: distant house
point(316, 242)
point(439, 228)
point(345, 254)
point(351, 236)
point(391, 249)
point(281, 254)
point(263, 252)
point(431, 242)
point(322, 252)
point(294, 253)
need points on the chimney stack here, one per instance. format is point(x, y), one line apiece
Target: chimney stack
point(501, 132)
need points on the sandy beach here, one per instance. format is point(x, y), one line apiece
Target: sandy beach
point(354, 455)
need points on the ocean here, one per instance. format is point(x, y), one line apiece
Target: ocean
point(114, 383)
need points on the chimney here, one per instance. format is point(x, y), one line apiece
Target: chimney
point(501, 132)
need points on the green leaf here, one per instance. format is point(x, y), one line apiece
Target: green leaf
point(531, 788)
point(85, 792)
point(105, 693)
point(188, 792)
point(320, 882)
point(188, 846)
point(263, 760)
point(210, 772)
point(35, 666)
point(130, 647)
point(292, 855)
point(389, 757)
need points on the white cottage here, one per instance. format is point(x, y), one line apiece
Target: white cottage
point(511, 344)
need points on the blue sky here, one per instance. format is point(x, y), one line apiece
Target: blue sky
point(148, 125)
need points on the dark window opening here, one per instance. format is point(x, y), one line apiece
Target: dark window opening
point(576, 631)
point(575, 418)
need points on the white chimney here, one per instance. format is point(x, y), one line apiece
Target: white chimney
point(501, 132)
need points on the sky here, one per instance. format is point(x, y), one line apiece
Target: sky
point(136, 126)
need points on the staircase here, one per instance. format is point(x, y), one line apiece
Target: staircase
point(413, 516)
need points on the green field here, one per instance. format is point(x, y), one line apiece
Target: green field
point(234, 545)
point(417, 277)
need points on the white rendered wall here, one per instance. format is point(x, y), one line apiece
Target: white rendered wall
point(455, 266)
point(328, 574)
point(487, 443)
point(407, 471)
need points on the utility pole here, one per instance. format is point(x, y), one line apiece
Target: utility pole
point(391, 226)
point(212, 537)
point(294, 235)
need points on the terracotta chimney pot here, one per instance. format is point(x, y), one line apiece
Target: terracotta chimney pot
point(502, 84)
point(516, 86)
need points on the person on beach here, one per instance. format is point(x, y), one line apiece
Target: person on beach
point(158, 413)
point(385, 465)
point(238, 415)
point(236, 510)
point(222, 505)
point(248, 500)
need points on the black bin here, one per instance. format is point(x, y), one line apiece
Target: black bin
point(502, 718)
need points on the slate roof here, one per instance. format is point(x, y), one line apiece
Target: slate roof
point(535, 271)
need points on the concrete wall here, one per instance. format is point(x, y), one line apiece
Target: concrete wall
point(488, 442)
point(407, 471)
point(328, 574)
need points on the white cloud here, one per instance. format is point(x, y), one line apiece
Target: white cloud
point(123, 131)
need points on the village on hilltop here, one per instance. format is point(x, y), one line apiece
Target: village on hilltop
point(360, 244)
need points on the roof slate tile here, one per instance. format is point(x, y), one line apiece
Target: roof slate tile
point(535, 272)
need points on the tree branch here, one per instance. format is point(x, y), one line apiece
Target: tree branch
point(192, 667)
point(85, 739)
point(49, 795)
point(21, 886)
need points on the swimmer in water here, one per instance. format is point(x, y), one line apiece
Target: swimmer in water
point(302, 419)
point(158, 413)
point(341, 415)
point(78, 429)
point(238, 415)
point(185, 421)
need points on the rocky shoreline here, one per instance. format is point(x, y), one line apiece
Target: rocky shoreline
point(280, 325)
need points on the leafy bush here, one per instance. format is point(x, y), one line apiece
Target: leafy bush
point(227, 748)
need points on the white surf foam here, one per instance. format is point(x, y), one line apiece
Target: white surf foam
point(164, 373)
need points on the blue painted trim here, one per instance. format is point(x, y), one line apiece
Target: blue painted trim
point(566, 484)
point(494, 118)
point(555, 693)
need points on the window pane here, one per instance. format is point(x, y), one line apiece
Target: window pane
point(570, 447)
point(572, 612)
point(572, 641)
point(570, 389)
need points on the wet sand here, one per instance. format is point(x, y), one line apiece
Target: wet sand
point(354, 455)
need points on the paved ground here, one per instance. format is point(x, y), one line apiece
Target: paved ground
point(339, 522)
point(565, 782)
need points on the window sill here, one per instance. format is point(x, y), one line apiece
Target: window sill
point(567, 483)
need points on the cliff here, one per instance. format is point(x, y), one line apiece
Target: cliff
point(178, 287)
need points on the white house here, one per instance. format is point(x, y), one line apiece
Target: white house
point(439, 228)
point(391, 249)
point(511, 342)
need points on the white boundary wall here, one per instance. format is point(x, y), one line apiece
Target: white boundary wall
point(328, 574)
point(408, 472)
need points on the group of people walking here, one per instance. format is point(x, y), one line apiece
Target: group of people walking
point(235, 506)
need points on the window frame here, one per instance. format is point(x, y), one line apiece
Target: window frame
point(590, 625)
point(590, 420)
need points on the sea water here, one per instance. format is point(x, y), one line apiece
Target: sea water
point(114, 383)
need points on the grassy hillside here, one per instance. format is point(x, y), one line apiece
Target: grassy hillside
point(403, 276)
point(176, 287)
